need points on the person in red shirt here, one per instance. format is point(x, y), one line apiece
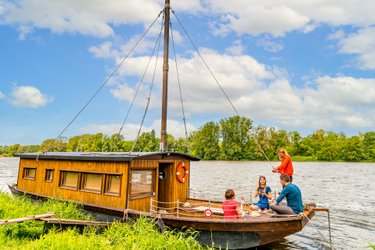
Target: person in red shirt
point(286, 166)
point(230, 205)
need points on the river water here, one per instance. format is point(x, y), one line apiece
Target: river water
point(347, 189)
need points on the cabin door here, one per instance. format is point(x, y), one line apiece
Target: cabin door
point(165, 185)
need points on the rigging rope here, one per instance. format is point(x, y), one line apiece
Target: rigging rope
point(109, 77)
point(218, 83)
point(208, 68)
point(179, 82)
point(157, 45)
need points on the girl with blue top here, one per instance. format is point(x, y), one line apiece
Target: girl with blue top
point(264, 192)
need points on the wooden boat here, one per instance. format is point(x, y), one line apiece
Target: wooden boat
point(152, 184)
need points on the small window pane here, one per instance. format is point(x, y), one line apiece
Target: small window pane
point(29, 173)
point(69, 179)
point(49, 175)
point(142, 182)
point(113, 184)
point(92, 182)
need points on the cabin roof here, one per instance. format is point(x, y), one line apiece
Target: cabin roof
point(102, 156)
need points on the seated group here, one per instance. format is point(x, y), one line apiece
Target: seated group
point(290, 191)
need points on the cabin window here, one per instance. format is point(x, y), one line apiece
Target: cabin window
point(113, 184)
point(142, 183)
point(92, 182)
point(29, 173)
point(49, 175)
point(69, 179)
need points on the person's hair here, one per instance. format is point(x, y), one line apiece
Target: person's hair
point(265, 183)
point(285, 177)
point(229, 194)
point(283, 150)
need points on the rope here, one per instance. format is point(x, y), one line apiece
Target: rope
point(208, 68)
point(179, 83)
point(329, 224)
point(108, 78)
point(157, 45)
point(217, 82)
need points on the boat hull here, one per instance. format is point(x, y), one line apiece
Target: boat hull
point(233, 234)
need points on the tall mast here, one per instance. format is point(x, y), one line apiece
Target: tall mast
point(163, 136)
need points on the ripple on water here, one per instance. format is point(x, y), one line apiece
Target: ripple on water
point(345, 188)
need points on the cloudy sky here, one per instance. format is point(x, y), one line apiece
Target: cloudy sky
point(294, 65)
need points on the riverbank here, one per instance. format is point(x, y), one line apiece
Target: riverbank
point(32, 235)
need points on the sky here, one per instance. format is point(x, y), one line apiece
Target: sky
point(293, 65)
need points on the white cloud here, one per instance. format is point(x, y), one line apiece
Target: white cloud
point(361, 44)
point(87, 17)
point(28, 97)
point(277, 18)
point(130, 131)
point(2, 95)
point(270, 45)
point(236, 49)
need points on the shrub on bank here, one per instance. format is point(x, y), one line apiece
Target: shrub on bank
point(141, 234)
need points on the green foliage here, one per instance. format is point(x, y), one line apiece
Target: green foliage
point(53, 145)
point(369, 146)
point(205, 142)
point(147, 142)
point(371, 246)
point(143, 234)
point(236, 144)
point(17, 207)
point(232, 138)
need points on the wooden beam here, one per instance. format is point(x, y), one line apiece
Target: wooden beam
point(29, 217)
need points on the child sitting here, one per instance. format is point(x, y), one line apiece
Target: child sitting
point(264, 192)
point(230, 206)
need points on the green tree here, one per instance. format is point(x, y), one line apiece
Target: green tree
point(331, 147)
point(236, 141)
point(353, 149)
point(295, 143)
point(180, 145)
point(147, 142)
point(369, 145)
point(310, 145)
point(114, 143)
point(53, 145)
point(205, 141)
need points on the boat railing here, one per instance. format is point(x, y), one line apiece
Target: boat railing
point(193, 208)
point(217, 194)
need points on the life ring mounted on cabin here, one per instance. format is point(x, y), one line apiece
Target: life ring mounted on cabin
point(179, 176)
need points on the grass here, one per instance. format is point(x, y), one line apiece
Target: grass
point(142, 234)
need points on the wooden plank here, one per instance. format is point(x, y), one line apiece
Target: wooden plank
point(29, 217)
point(67, 222)
point(321, 209)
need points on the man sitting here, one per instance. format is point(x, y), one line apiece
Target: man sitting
point(293, 197)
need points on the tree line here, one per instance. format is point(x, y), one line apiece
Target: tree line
point(233, 138)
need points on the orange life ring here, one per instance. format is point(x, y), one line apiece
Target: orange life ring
point(181, 178)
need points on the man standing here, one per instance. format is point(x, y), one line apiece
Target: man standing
point(293, 197)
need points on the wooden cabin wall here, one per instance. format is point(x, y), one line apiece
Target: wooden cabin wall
point(53, 189)
point(175, 189)
point(181, 189)
point(143, 203)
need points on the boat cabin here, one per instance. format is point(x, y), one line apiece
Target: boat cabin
point(106, 182)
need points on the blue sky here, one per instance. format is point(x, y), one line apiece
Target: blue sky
point(294, 65)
